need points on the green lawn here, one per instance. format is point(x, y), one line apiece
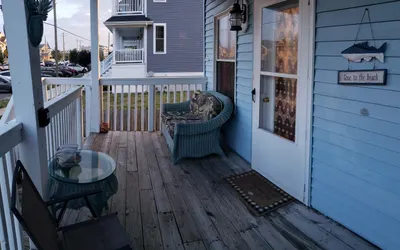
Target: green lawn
point(3, 103)
point(139, 100)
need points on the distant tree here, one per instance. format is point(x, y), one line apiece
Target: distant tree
point(84, 58)
point(101, 52)
point(1, 57)
point(74, 56)
point(59, 55)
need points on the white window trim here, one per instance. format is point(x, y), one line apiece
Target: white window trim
point(160, 1)
point(154, 38)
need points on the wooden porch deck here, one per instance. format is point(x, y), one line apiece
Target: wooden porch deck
point(189, 206)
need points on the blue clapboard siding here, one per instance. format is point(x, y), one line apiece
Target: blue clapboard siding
point(356, 158)
point(237, 132)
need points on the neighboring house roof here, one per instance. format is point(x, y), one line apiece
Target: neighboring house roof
point(42, 45)
point(128, 18)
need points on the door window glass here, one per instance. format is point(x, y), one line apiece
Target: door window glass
point(226, 39)
point(279, 58)
point(279, 38)
point(278, 106)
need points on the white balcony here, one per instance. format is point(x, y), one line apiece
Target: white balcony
point(129, 56)
point(132, 7)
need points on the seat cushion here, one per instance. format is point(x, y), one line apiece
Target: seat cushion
point(205, 105)
point(170, 119)
point(178, 116)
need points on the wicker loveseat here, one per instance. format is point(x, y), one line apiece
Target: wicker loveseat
point(189, 135)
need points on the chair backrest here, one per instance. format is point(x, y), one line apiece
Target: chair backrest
point(31, 211)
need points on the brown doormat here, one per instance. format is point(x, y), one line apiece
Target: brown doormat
point(258, 193)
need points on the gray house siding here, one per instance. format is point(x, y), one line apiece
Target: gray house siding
point(184, 19)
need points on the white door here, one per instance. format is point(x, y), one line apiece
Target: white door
point(281, 87)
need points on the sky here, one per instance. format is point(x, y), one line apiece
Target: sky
point(74, 16)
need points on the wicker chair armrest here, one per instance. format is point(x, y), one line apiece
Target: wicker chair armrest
point(181, 106)
point(205, 127)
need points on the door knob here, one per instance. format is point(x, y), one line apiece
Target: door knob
point(266, 99)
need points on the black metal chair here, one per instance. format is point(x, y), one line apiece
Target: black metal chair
point(101, 233)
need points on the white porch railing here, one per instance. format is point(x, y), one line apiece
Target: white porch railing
point(130, 7)
point(105, 65)
point(129, 56)
point(10, 230)
point(65, 114)
point(136, 104)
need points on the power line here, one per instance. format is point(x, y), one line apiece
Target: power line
point(69, 32)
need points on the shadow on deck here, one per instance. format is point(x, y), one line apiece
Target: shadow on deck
point(189, 206)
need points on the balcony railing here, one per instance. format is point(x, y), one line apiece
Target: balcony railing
point(136, 104)
point(134, 7)
point(129, 56)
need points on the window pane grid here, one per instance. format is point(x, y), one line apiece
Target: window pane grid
point(159, 40)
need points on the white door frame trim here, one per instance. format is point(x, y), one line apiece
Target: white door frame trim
point(310, 101)
point(310, 45)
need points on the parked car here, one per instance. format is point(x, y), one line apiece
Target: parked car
point(66, 71)
point(49, 63)
point(77, 67)
point(5, 84)
point(6, 67)
point(5, 73)
point(72, 70)
point(52, 72)
point(42, 64)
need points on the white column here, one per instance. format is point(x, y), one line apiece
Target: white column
point(115, 39)
point(95, 111)
point(145, 46)
point(24, 60)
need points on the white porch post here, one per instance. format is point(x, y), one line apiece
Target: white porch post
point(24, 62)
point(115, 39)
point(145, 45)
point(95, 96)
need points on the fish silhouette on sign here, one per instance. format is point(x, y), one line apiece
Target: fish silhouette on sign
point(362, 51)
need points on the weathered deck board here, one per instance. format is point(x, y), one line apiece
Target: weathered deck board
point(133, 217)
point(151, 228)
point(186, 224)
point(205, 190)
point(189, 205)
point(132, 161)
point(160, 194)
point(118, 203)
point(169, 231)
point(144, 175)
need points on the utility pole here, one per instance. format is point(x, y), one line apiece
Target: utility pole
point(64, 47)
point(55, 36)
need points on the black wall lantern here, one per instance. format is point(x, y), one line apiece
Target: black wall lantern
point(239, 16)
